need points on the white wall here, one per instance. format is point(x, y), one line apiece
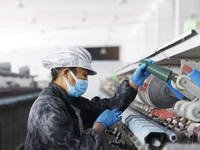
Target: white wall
point(164, 23)
point(103, 69)
point(184, 10)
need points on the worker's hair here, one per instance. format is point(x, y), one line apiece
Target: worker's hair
point(55, 72)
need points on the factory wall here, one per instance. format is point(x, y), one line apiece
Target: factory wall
point(163, 24)
point(185, 10)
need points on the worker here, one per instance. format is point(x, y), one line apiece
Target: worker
point(60, 118)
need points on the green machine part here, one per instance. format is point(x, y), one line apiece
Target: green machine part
point(114, 77)
point(158, 71)
point(190, 25)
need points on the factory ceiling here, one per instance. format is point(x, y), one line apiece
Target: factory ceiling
point(59, 23)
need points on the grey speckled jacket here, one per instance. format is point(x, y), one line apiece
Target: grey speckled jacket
point(57, 122)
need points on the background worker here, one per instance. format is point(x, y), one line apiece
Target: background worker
point(60, 118)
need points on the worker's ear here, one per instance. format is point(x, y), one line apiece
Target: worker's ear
point(65, 72)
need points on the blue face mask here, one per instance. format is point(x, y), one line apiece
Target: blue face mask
point(78, 89)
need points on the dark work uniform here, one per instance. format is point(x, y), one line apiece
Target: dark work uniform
point(59, 122)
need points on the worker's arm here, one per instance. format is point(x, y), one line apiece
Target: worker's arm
point(133, 85)
point(98, 127)
point(124, 95)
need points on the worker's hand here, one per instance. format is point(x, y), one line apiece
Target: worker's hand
point(109, 117)
point(140, 74)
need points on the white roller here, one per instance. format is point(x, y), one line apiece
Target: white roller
point(193, 112)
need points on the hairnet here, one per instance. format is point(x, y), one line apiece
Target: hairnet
point(75, 56)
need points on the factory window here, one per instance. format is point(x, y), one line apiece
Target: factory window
point(104, 53)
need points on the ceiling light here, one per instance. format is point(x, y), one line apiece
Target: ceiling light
point(120, 2)
point(108, 38)
point(43, 31)
point(73, 27)
point(103, 51)
point(83, 19)
point(111, 29)
point(50, 39)
point(115, 18)
point(33, 20)
point(57, 47)
point(19, 4)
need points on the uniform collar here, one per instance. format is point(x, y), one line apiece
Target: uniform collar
point(59, 93)
point(74, 102)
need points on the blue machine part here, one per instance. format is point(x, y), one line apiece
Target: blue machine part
point(195, 75)
point(178, 94)
point(144, 128)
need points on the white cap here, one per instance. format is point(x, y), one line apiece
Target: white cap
point(75, 56)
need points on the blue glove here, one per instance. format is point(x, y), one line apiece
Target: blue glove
point(140, 74)
point(109, 117)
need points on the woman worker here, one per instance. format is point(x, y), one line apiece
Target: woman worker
point(61, 119)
